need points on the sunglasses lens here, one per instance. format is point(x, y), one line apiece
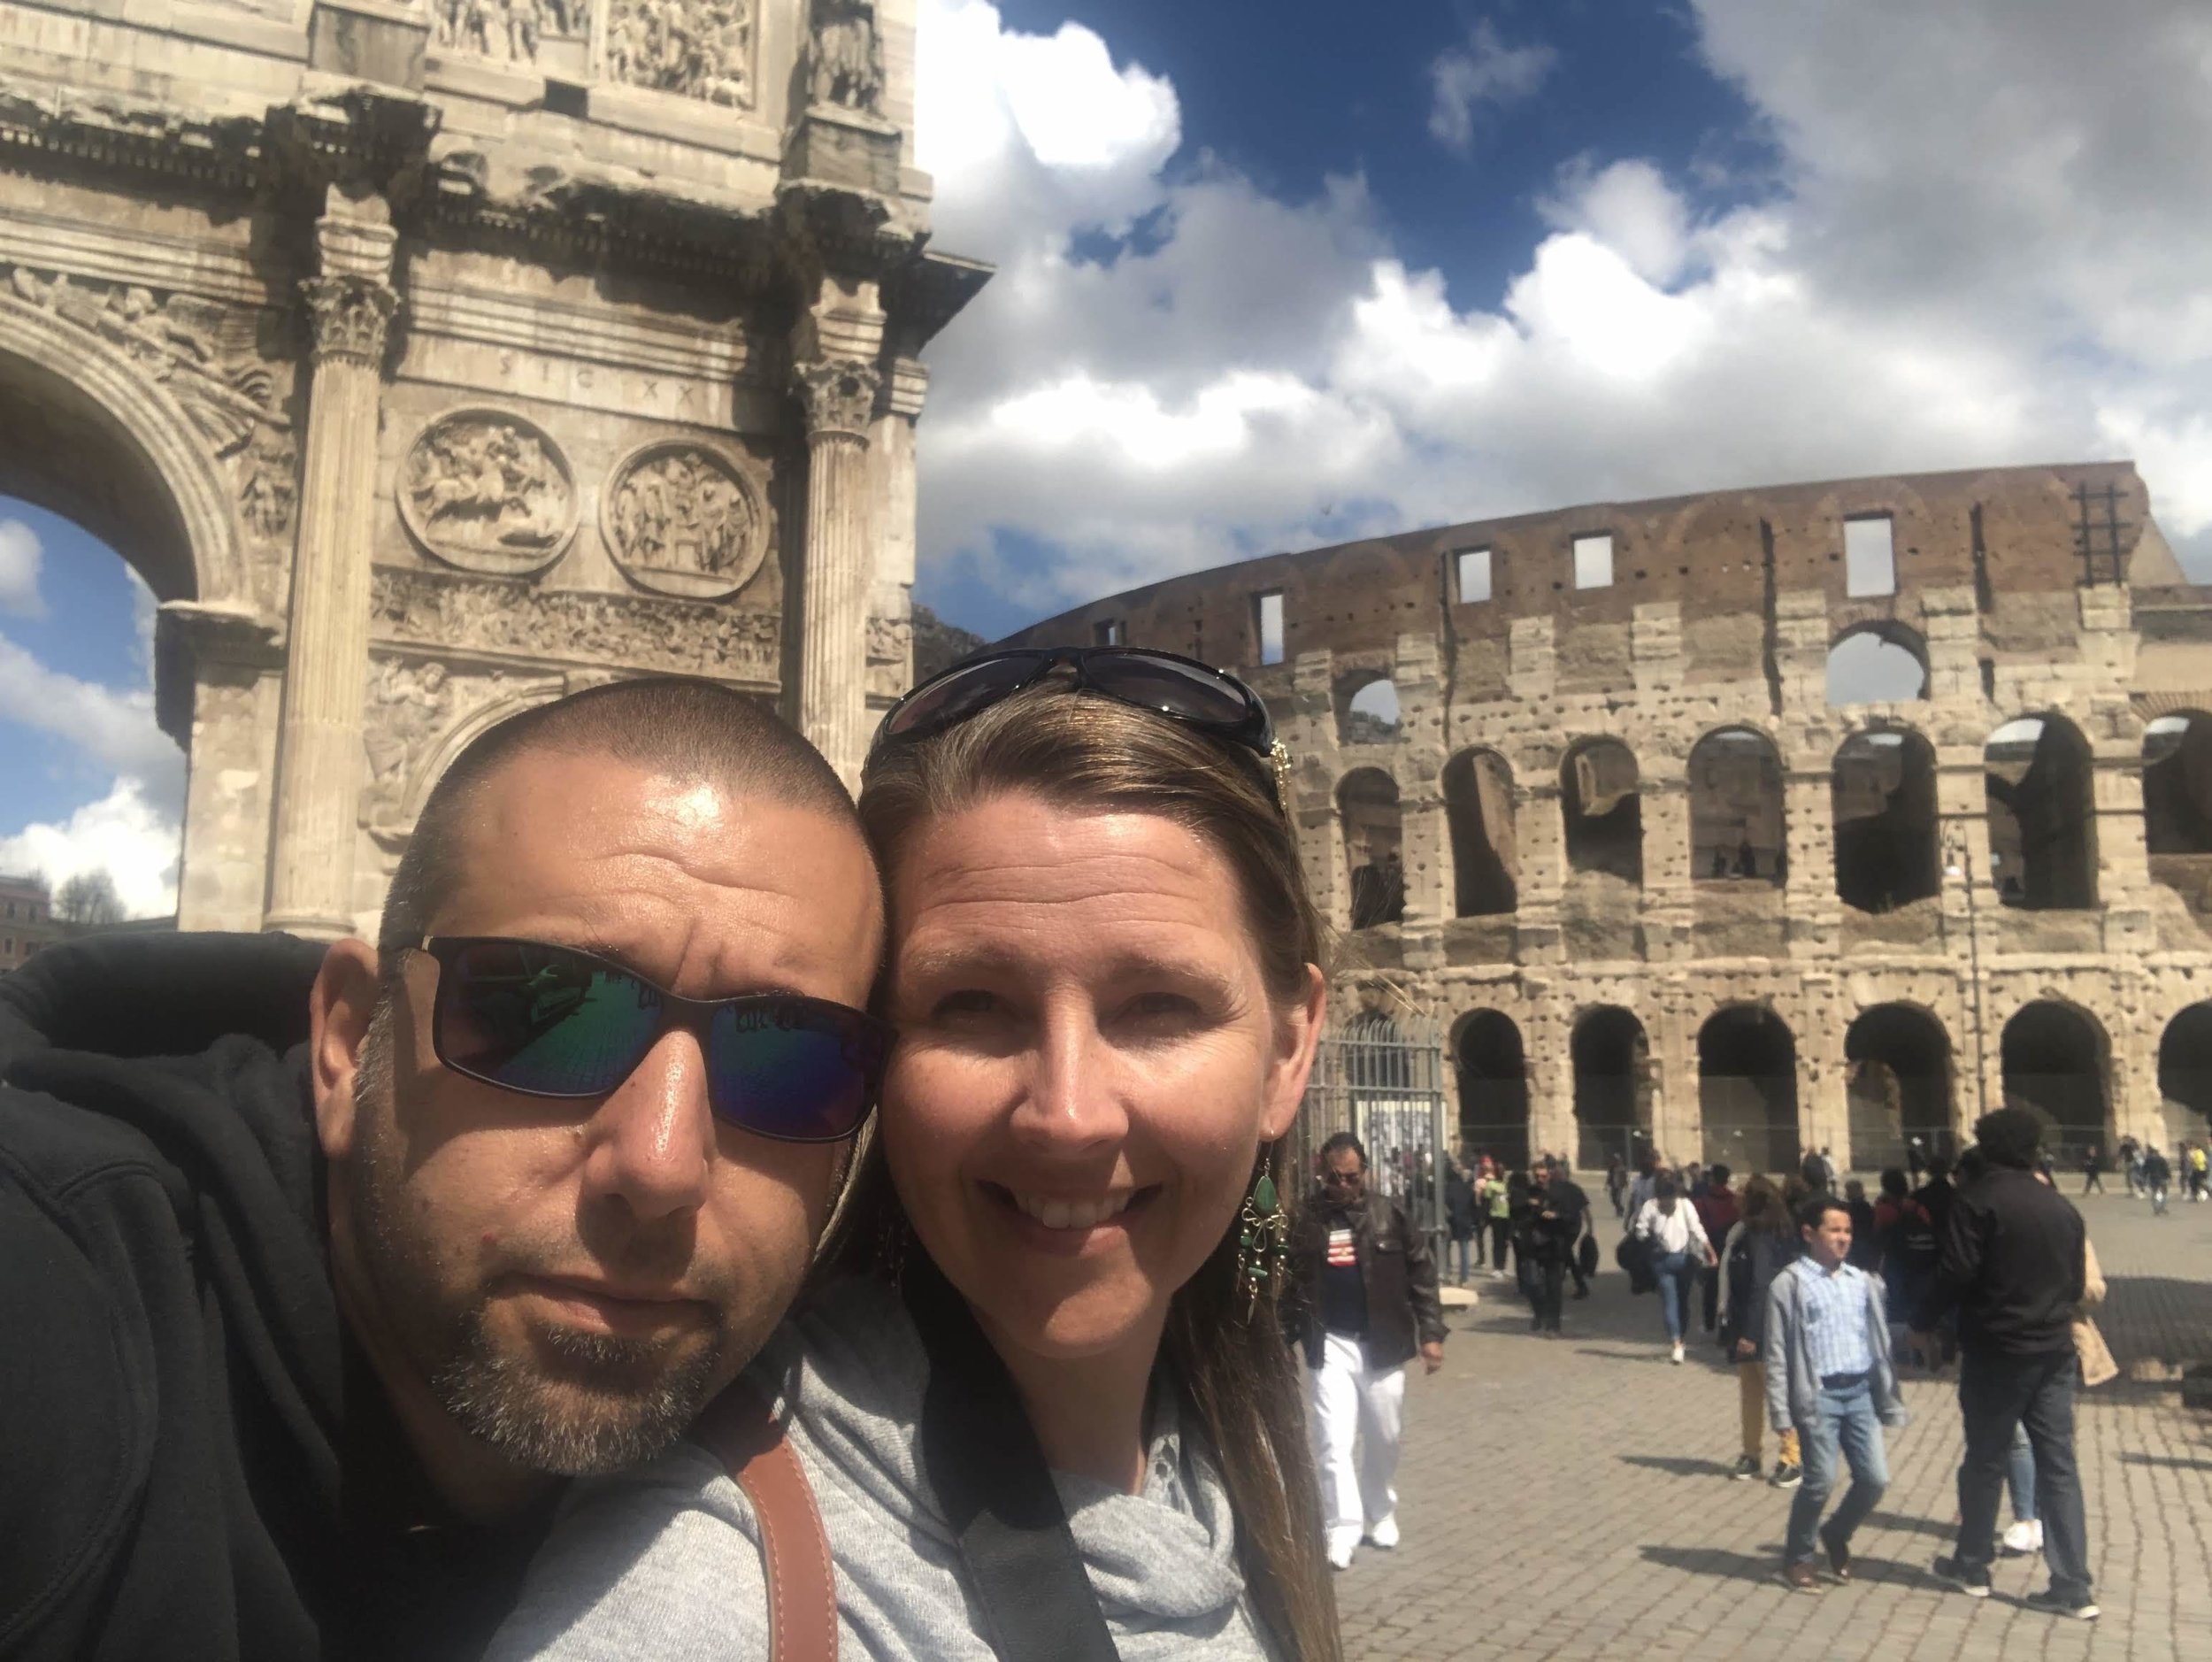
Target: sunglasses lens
point(958, 693)
point(541, 1019)
point(1172, 688)
point(797, 1069)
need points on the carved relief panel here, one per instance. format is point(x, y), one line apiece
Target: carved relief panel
point(487, 491)
point(696, 48)
point(683, 518)
point(531, 34)
point(412, 707)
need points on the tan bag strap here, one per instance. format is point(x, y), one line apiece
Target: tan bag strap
point(742, 1431)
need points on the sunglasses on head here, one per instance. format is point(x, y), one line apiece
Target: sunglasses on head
point(1181, 688)
point(556, 1021)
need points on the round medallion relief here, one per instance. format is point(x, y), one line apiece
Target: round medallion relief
point(683, 519)
point(487, 491)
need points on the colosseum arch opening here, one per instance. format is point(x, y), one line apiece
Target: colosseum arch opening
point(1883, 790)
point(2184, 1074)
point(1899, 1059)
point(1374, 840)
point(1612, 1085)
point(2042, 815)
point(2058, 1064)
point(1600, 795)
point(1478, 808)
point(1492, 1087)
point(1746, 1090)
point(1367, 708)
point(1736, 808)
point(2178, 804)
point(1880, 663)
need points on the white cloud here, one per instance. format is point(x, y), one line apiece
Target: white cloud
point(110, 728)
point(1483, 73)
point(1987, 247)
point(21, 556)
point(123, 834)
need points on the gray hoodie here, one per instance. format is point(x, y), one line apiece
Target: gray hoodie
point(664, 1563)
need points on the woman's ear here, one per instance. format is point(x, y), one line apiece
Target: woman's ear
point(1297, 1038)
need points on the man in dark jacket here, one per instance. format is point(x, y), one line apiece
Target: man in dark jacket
point(2013, 1264)
point(304, 1323)
point(1362, 1301)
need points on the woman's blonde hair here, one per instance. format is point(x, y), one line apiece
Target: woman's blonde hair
point(1065, 747)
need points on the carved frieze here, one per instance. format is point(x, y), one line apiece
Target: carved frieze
point(412, 709)
point(844, 57)
point(684, 518)
point(485, 491)
point(631, 631)
point(890, 657)
point(696, 48)
point(508, 31)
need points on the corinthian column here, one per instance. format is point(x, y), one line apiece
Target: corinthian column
point(837, 381)
point(350, 305)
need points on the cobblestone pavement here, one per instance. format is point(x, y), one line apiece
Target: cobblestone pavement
point(1569, 1497)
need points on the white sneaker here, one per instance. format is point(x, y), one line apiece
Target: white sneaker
point(1340, 1554)
point(1678, 1350)
point(1384, 1533)
point(2025, 1537)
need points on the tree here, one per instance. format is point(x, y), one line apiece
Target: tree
point(88, 898)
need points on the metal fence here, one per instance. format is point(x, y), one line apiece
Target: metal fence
point(1382, 1079)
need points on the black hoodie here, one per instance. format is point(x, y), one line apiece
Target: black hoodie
point(195, 1459)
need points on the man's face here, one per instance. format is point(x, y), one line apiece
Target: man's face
point(1342, 1176)
point(573, 1279)
point(1829, 1241)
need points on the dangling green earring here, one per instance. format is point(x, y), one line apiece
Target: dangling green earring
point(1262, 1235)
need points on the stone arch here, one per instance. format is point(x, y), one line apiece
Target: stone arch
point(2184, 1074)
point(1736, 821)
point(1493, 1068)
point(1600, 798)
point(1883, 787)
point(1374, 840)
point(1367, 708)
point(1478, 808)
point(2037, 776)
point(2057, 1062)
point(2177, 803)
point(121, 458)
point(1612, 1085)
point(1878, 662)
point(1900, 1082)
point(1747, 1089)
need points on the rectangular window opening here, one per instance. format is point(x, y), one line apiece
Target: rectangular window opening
point(1870, 561)
point(1108, 633)
point(1594, 561)
point(1471, 567)
point(1267, 610)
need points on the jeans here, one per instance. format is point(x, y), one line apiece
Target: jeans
point(2020, 1475)
point(1676, 1271)
point(1500, 1228)
point(1997, 1393)
point(1461, 1243)
point(1847, 1422)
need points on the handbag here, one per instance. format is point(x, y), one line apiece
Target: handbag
point(1632, 1257)
point(1586, 1256)
point(741, 1429)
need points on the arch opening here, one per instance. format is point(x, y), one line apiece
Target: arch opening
point(1492, 1087)
point(1736, 821)
point(1478, 809)
point(2185, 1075)
point(2042, 815)
point(1600, 796)
point(1367, 709)
point(1883, 787)
point(1374, 841)
point(1900, 1085)
point(1613, 1086)
point(1879, 663)
point(2177, 805)
point(2057, 1062)
point(1747, 1088)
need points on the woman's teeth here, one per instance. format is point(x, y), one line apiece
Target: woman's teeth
point(1073, 1214)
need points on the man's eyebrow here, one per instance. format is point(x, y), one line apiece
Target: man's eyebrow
point(600, 947)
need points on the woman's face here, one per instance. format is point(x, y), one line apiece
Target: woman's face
point(1088, 1064)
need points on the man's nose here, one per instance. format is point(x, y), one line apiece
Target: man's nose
point(652, 1139)
point(1073, 1101)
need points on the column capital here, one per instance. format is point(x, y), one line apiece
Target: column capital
point(351, 316)
point(840, 396)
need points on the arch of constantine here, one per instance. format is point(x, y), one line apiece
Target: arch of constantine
point(430, 359)
point(1760, 821)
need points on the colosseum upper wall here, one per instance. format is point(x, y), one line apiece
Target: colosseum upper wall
point(1762, 821)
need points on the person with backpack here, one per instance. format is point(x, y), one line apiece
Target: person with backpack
point(1719, 1210)
point(1759, 1247)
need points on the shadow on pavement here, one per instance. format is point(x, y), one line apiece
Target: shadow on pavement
point(2167, 1460)
point(1916, 1525)
point(1749, 1567)
point(1679, 1464)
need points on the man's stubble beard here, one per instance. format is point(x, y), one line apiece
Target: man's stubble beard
point(602, 1403)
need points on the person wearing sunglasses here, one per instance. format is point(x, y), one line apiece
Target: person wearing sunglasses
point(1039, 1384)
point(321, 1271)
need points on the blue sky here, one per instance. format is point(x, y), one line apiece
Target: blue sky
point(1276, 276)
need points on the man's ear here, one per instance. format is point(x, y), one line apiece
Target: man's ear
point(339, 1010)
point(1297, 1039)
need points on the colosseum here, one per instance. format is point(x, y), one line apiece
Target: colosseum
point(1755, 822)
